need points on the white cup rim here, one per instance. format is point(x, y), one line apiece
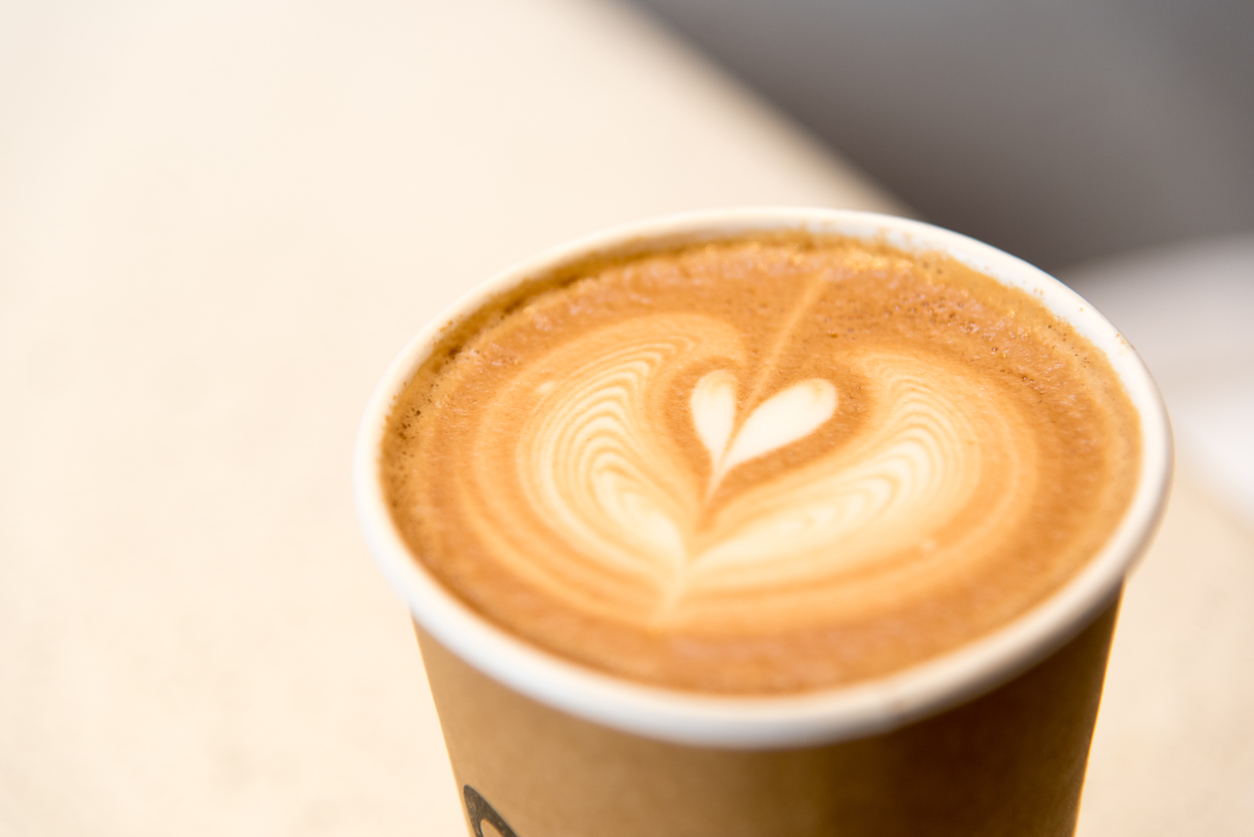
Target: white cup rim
point(823, 716)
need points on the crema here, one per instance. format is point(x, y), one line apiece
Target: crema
point(759, 465)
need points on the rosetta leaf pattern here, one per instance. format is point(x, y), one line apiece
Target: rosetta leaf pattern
point(614, 517)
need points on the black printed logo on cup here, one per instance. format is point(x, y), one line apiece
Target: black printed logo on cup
point(479, 811)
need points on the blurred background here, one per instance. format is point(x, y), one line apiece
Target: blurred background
point(1061, 131)
point(219, 221)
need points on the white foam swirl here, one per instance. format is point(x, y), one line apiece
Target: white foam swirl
point(603, 507)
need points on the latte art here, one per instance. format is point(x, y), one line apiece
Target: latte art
point(598, 472)
point(761, 466)
point(784, 417)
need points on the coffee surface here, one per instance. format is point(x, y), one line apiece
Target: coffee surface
point(761, 465)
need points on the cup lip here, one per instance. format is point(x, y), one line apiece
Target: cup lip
point(810, 718)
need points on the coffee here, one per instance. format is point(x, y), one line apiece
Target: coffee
point(759, 465)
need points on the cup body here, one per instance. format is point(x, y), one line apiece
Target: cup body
point(1008, 762)
point(989, 738)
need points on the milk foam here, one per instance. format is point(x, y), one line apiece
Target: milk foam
point(699, 495)
point(596, 469)
point(785, 417)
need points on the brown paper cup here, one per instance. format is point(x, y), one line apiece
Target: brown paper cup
point(991, 738)
point(1009, 762)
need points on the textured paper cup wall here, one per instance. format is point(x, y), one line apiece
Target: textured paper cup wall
point(1010, 762)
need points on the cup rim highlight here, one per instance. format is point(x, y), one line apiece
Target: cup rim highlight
point(760, 722)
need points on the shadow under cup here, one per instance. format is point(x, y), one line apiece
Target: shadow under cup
point(991, 738)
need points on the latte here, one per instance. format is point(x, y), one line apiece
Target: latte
point(759, 465)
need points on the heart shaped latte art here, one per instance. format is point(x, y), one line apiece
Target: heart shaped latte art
point(628, 490)
point(785, 417)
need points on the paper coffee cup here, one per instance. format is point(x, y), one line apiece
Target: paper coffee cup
point(990, 738)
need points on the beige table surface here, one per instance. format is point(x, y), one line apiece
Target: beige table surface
point(218, 222)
